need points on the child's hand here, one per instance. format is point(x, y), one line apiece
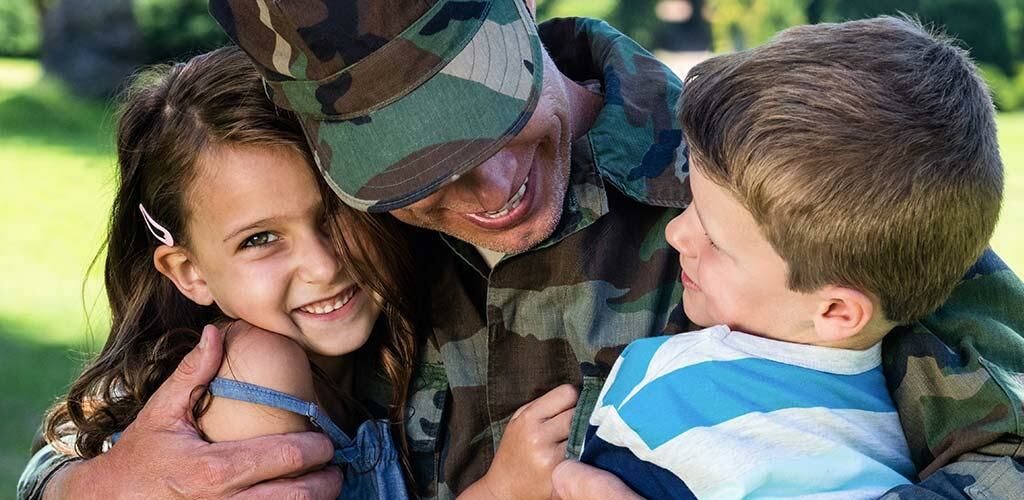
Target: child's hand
point(533, 444)
point(572, 480)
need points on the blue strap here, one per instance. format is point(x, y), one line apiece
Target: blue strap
point(345, 448)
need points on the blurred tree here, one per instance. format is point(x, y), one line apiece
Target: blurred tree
point(636, 18)
point(981, 25)
point(19, 28)
point(175, 29)
point(91, 44)
point(740, 24)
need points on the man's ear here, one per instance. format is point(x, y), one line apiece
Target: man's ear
point(842, 313)
point(177, 264)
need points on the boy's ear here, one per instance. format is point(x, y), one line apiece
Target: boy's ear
point(177, 264)
point(842, 313)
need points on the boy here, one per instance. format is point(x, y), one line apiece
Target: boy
point(844, 178)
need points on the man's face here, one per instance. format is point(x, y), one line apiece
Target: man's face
point(512, 201)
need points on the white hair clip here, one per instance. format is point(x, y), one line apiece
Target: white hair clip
point(164, 236)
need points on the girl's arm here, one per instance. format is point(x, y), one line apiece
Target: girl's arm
point(262, 358)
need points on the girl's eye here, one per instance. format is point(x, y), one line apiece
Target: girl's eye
point(259, 240)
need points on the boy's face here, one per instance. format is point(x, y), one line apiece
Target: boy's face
point(731, 273)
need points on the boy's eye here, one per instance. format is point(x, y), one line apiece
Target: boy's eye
point(710, 241)
point(259, 239)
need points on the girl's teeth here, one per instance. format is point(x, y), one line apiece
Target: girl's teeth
point(334, 306)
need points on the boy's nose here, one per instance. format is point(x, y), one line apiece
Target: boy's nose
point(680, 234)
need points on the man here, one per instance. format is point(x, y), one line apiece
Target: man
point(551, 172)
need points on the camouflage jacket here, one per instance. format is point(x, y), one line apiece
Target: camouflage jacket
point(563, 311)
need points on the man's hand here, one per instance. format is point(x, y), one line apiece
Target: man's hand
point(533, 444)
point(161, 455)
point(572, 480)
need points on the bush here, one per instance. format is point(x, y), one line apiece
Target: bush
point(981, 25)
point(177, 29)
point(741, 24)
point(1007, 91)
point(19, 29)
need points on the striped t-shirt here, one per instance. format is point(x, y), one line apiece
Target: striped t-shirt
point(722, 414)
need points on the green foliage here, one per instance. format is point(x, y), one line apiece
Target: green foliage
point(19, 29)
point(741, 24)
point(177, 29)
point(981, 25)
point(601, 9)
point(636, 18)
point(1007, 90)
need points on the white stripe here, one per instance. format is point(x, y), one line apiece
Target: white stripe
point(813, 448)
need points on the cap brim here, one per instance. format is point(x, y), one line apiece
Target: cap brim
point(460, 117)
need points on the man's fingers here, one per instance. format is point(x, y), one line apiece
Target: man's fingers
point(556, 401)
point(324, 484)
point(173, 399)
point(239, 464)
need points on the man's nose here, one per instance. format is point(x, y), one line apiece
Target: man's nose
point(489, 185)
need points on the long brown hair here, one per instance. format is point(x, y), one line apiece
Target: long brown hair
point(170, 116)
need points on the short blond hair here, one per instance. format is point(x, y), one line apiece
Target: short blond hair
point(866, 151)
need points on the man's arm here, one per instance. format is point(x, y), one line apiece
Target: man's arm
point(956, 375)
point(160, 455)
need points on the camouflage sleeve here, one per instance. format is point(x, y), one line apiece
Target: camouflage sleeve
point(972, 477)
point(957, 377)
point(44, 464)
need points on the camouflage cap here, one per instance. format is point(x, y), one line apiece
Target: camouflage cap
point(397, 97)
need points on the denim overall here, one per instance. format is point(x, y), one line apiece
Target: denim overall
point(370, 461)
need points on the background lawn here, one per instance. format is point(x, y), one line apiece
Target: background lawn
point(57, 170)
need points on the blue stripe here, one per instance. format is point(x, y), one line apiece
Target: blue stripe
point(709, 393)
point(636, 358)
point(644, 478)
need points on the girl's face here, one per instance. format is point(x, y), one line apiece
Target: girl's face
point(261, 252)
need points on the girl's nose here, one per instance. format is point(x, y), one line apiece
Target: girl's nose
point(318, 262)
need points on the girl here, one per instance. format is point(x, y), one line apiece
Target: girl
point(219, 218)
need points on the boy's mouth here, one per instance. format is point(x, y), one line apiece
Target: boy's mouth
point(689, 283)
point(330, 304)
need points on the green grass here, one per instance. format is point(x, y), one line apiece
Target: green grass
point(1008, 240)
point(56, 162)
point(57, 167)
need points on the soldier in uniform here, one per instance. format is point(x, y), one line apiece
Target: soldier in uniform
point(549, 160)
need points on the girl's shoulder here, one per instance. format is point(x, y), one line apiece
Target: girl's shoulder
point(266, 359)
point(260, 357)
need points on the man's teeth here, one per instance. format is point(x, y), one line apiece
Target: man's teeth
point(510, 205)
point(329, 305)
